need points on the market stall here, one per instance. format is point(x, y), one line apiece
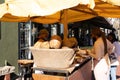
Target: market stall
point(64, 16)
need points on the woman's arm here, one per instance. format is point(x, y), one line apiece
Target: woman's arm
point(90, 53)
point(97, 50)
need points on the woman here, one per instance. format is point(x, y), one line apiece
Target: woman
point(101, 48)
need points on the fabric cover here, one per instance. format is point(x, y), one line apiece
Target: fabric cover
point(53, 58)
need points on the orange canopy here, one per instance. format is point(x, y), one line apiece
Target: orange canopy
point(77, 13)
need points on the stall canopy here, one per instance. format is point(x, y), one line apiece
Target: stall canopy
point(93, 22)
point(32, 8)
point(76, 10)
point(41, 12)
point(114, 2)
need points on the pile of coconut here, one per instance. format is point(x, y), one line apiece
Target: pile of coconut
point(56, 42)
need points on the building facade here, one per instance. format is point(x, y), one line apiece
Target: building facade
point(9, 43)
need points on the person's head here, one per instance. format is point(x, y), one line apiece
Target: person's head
point(96, 33)
point(112, 37)
point(43, 34)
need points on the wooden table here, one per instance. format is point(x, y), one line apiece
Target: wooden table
point(83, 72)
point(25, 68)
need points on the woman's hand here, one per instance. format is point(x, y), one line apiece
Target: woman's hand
point(80, 51)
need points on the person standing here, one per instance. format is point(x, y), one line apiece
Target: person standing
point(101, 48)
point(116, 68)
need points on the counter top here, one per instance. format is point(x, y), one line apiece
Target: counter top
point(65, 71)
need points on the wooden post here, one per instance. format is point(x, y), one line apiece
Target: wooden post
point(65, 23)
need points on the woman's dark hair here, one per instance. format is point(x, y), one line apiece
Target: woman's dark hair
point(97, 32)
point(114, 38)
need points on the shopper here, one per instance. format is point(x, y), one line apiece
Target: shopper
point(112, 38)
point(101, 48)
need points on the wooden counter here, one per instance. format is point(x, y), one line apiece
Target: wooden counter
point(82, 72)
